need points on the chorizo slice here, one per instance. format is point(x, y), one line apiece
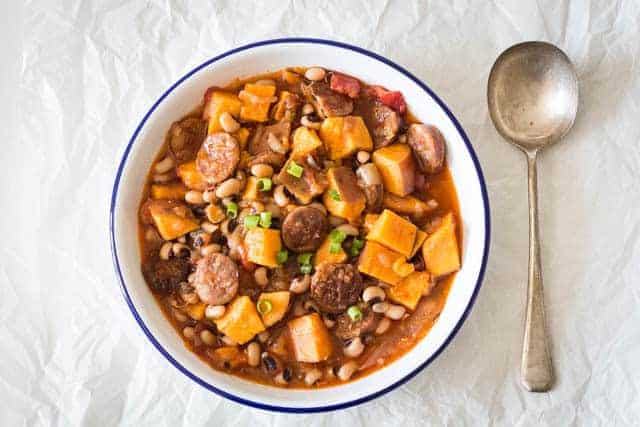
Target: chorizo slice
point(334, 287)
point(164, 276)
point(428, 146)
point(218, 157)
point(217, 279)
point(304, 229)
point(347, 329)
point(185, 138)
point(344, 84)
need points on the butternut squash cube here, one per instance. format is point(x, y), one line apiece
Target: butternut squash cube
point(305, 141)
point(394, 232)
point(220, 102)
point(256, 111)
point(190, 176)
point(323, 254)
point(196, 311)
point(242, 135)
point(440, 249)
point(343, 185)
point(229, 356)
point(310, 339)
point(397, 167)
point(251, 189)
point(421, 236)
point(263, 245)
point(173, 219)
point(409, 291)
point(343, 136)
point(279, 306)
point(241, 321)
point(171, 191)
point(377, 261)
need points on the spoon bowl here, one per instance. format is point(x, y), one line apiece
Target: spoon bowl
point(533, 94)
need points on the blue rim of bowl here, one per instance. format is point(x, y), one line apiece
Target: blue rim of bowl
point(342, 405)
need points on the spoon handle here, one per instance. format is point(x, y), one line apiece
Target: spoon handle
point(537, 371)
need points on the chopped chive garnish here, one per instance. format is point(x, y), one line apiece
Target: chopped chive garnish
point(295, 169)
point(305, 258)
point(354, 313)
point(264, 306)
point(337, 236)
point(264, 184)
point(306, 269)
point(265, 219)
point(334, 195)
point(356, 246)
point(232, 210)
point(251, 221)
point(282, 256)
point(335, 247)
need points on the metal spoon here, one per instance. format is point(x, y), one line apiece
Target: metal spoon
point(533, 100)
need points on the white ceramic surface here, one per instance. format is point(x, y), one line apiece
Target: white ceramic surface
point(260, 58)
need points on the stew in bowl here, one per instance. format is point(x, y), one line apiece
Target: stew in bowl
point(301, 228)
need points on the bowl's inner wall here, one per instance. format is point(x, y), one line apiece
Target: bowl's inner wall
point(182, 99)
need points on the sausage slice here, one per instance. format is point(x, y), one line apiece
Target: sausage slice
point(428, 147)
point(334, 287)
point(164, 276)
point(185, 138)
point(218, 157)
point(347, 329)
point(216, 279)
point(304, 229)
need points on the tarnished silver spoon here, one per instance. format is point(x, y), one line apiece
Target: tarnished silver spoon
point(533, 100)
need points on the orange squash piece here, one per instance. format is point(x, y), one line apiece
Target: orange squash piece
point(305, 141)
point(323, 254)
point(279, 306)
point(310, 339)
point(241, 321)
point(343, 136)
point(409, 291)
point(196, 311)
point(252, 111)
point(220, 102)
point(397, 167)
point(190, 176)
point(230, 356)
point(171, 191)
point(440, 249)
point(394, 232)
point(172, 219)
point(377, 261)
point(343, 186)
point(263, 245)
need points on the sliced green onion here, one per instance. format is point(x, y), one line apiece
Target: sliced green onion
point(251, 221)
point(306, 269)
point(265, 219)
point(264, 306)
point(232, 210)
point(264, 184)
point(335, 247)
point(295, 169)
point(305, 258)
point(282, 257)
point(334, 195)
point(354, 313)
point(356, 246)
point(337, 236)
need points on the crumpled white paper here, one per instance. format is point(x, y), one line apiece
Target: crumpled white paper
point(77, 76)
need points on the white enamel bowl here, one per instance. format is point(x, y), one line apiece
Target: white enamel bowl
point(262, 57)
